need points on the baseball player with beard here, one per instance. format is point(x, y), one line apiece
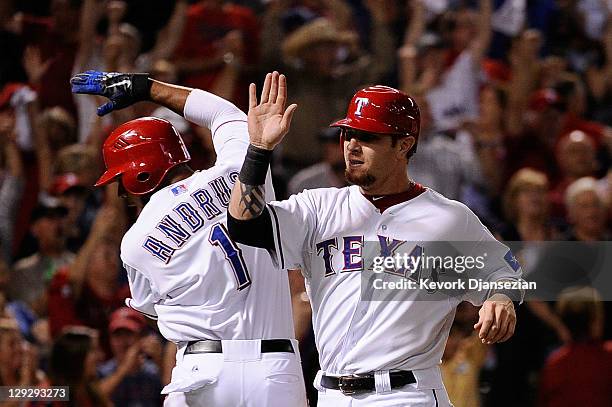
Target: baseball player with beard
point(225, 306)
point(372, 353)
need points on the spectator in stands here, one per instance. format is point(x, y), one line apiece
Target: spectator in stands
point(108, 42)
point(73, 361)
point(567, 35)
point(462, 361)
point(459, 122)
point(31, 276)
point(282, 17)
point(325, 65)
point(539, 123)
point(82, 204)
point(587, 215)
point(572, 92)
point(20, 101)
point(538, 118)
point(32, 328)
point(579, 373)
point(576, 158)
point(132, 377)
point(451, 88)
point(75, 171)
point(100, 49)
point(527, 213)
point(59, 127)
point(88, 290)
point(18, 358)
point(586, 211)
point(167, 38)
point(79, 159)
point(329, 172)
point(56, 130)
point(12, 183)
point(448, 163)
point(53, 43)
point(526, 202)
point(526, 207)
point(597, 79)
point(217, 33)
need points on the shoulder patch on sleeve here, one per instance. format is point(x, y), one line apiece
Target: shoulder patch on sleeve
point(512, 261)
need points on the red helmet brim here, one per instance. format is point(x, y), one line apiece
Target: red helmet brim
point(368, 125)
point(341, 123)
point(106, 178)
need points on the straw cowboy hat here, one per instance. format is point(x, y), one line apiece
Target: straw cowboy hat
point(315, 32)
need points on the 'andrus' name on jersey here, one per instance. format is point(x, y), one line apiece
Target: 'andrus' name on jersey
point(190, 216)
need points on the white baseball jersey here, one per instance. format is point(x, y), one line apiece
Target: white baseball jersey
point(323, 232)
point(182, 267)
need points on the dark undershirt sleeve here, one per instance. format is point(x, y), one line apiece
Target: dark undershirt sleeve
point(256, 232)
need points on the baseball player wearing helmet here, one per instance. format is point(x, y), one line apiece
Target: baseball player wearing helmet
point(372, 353)
point(225, 306)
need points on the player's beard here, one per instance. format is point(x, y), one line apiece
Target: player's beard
point(362, 178)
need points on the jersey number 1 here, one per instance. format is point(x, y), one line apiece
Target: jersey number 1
point(220, 238)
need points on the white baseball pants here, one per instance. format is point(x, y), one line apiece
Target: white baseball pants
point(241, 376)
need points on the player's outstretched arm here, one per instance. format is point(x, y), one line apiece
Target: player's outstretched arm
point(125, 89)
point(268, 122)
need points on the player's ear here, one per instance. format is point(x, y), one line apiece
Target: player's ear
point(405, 144)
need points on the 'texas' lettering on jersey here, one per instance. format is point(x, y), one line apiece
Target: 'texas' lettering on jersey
point(190, 216)
point(351, 250)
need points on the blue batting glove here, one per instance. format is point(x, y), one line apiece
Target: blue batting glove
point(123, 89)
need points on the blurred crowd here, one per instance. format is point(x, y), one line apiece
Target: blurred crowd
point(516, 116)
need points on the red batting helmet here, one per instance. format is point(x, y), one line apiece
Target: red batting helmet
point(142, 151)
point(383, 110)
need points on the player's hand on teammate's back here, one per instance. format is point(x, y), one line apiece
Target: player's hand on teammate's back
point(497, 319)
point(269, 120)
point(123, 89)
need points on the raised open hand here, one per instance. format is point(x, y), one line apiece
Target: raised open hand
point(269, 120)
point(34, 65)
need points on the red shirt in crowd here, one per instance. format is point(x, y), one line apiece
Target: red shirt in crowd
point(89, 309)
point(578, 374)
point(52, 89)
point(205, 28)
point(529, 151)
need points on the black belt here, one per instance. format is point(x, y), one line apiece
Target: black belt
point(365, 383)
point(267, 346)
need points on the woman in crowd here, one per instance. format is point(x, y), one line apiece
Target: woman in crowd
point(74, 357)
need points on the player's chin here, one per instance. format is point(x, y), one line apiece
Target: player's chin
point(359, 176)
